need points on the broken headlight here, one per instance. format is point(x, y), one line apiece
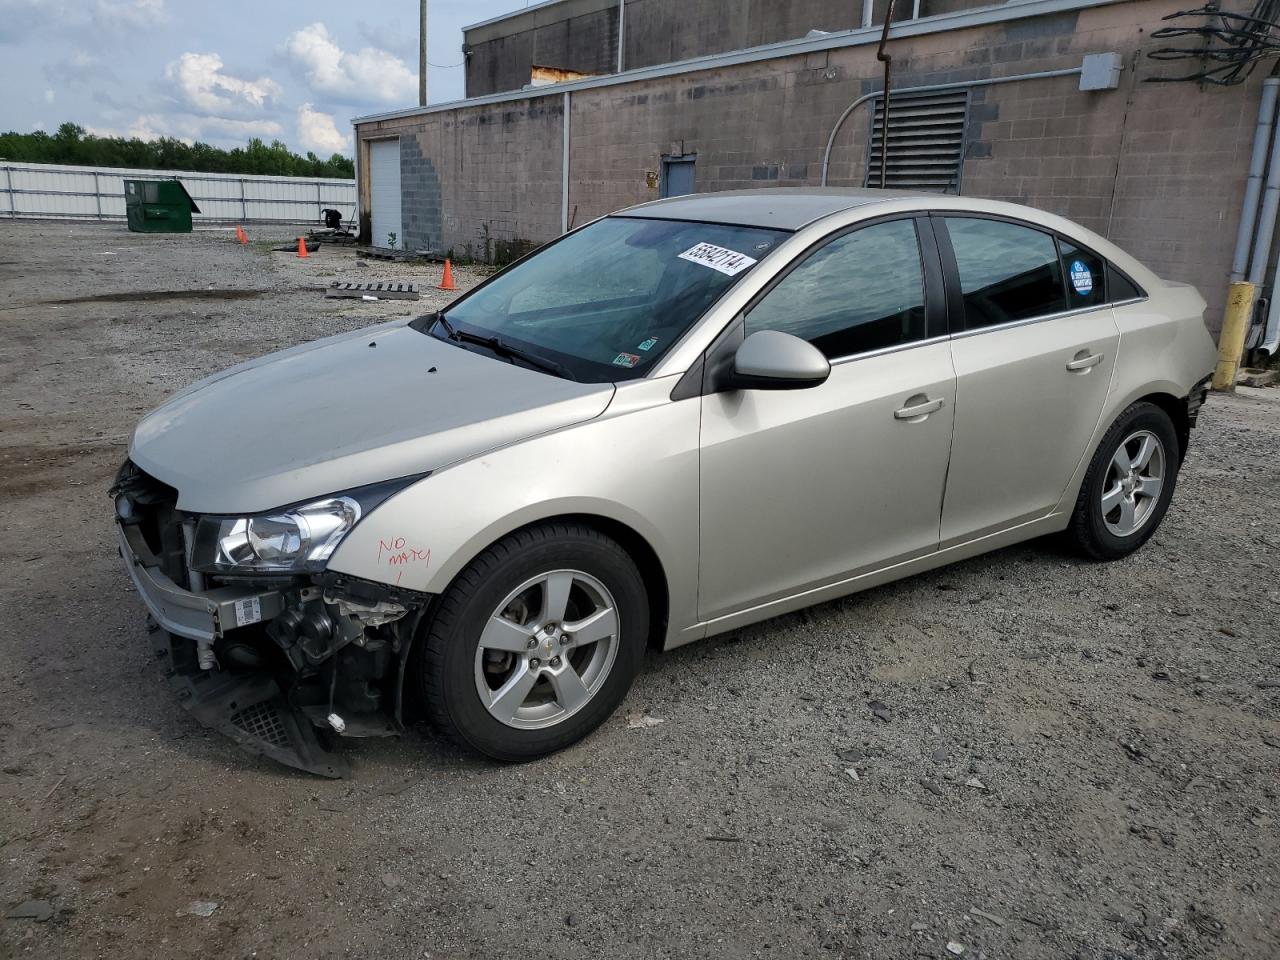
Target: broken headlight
point(294, 540)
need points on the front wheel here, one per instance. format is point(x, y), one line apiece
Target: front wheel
point(1128, 486)
point(536, 643)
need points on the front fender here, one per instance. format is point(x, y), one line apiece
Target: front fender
point(636, 465)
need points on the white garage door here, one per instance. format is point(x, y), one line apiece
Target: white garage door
point(384, 192)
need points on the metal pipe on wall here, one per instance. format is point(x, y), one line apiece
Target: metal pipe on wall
point(1266, 229)
point(1257, 168)
point(930, 88)
point(622, 19)
point(564, 167)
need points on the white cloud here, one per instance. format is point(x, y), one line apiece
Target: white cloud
point(367, 75)
point(129, 13)
point(318, 132)
point(204, 86)
point(189, 128)
point(20, 18)
point(49, 96)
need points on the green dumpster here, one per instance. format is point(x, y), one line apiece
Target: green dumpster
point(158, 206)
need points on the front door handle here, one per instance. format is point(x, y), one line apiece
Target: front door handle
point(917, 408)
point(1084, 361)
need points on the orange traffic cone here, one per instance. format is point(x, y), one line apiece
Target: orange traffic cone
point(302, 247)
point(447, 282)
point(241, 235)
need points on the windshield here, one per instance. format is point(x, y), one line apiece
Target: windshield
point(605, 303)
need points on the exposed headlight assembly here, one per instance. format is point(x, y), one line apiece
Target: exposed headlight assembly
point(292, 541)
point(297, 539)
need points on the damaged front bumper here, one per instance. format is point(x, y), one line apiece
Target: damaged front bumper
point(279, 666)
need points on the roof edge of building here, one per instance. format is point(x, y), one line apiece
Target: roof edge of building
point(532, 10)
point(960, 20)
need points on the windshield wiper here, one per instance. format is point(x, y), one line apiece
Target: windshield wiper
point(502, 348)
point(451, 333)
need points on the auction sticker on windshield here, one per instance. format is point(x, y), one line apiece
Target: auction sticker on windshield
point(727, 261)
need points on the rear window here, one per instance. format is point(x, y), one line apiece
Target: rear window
point(1120, 287)
point(1007, 272)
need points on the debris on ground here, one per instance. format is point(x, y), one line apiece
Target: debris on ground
point(37, 910)
point(998, 921)
point(199, 908)
point(880, 711)
point(378, 289)
point(643, 721)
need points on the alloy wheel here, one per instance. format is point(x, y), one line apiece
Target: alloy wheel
point(547, 649)
point(1135, 477)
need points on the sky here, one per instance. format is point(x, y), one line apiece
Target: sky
point(228, 70)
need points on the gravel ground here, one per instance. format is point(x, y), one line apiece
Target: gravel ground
point(1053, 759)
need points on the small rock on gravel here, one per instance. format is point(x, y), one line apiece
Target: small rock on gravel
point(37, 910)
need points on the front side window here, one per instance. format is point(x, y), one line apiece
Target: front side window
point(1007, 272)
point(859, 292)
point(605, 303)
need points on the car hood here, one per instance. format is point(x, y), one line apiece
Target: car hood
point(346, 411)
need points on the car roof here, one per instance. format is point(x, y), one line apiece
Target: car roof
point(778, 208)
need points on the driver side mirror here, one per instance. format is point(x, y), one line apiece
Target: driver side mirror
point(773, 360)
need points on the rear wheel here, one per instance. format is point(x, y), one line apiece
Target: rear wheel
point(536, 643)
point(1129, 484)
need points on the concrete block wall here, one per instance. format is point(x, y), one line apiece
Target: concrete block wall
point(1158, 168)
point(583, 34)
point(479, 182)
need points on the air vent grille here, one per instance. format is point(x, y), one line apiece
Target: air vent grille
point(926, 141)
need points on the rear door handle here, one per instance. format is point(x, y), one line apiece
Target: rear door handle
point(1084, 360)
point(917, 408)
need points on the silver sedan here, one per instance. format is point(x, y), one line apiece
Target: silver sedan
point(674, 421)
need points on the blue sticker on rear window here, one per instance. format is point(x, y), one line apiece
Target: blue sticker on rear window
point(1081, 278)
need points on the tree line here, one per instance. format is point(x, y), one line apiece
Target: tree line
point(71, 144)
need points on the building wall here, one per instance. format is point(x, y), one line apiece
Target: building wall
point(582, 35)
point(579, 35)
point(1158, 168)
point(478, 182)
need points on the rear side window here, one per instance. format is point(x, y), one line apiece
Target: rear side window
point(1120, 287)
point(1086, 276)
point(861, 291)
point(1007, 272)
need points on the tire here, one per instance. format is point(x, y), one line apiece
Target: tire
point(1127, 519)
point(470, 680)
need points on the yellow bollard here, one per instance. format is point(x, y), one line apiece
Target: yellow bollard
point(1235, 324)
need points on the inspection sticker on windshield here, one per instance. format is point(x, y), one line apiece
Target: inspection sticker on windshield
point(718, 258)
point(248, 610)
point(648, 344)
point(1081, 278)
point(626, 360)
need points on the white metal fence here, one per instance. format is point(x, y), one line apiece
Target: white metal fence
point(55, 191)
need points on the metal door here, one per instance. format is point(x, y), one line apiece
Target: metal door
point(677, 176)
